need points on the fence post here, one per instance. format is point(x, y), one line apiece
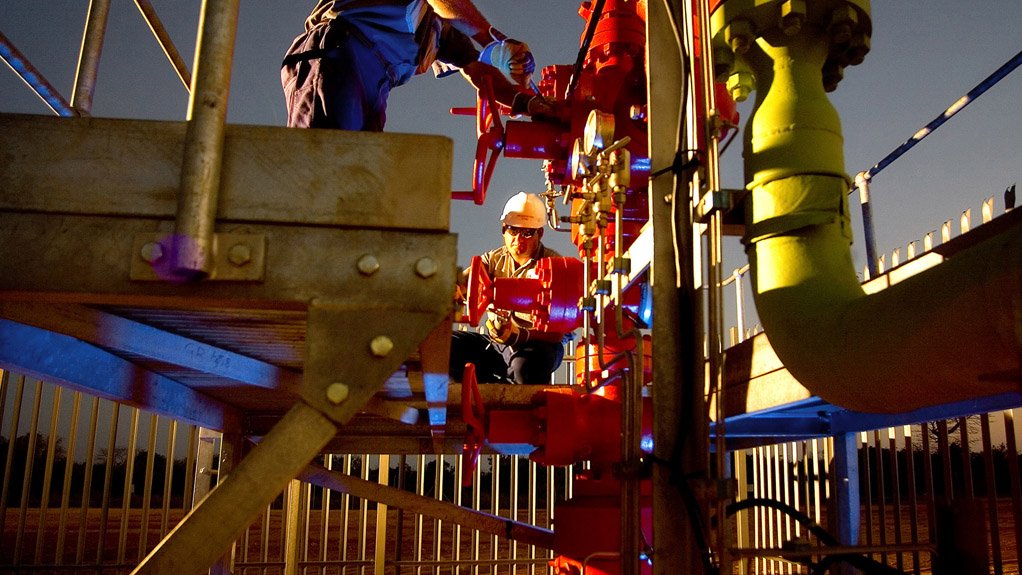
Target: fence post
point(846, 492)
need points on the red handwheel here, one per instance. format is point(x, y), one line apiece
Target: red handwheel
point(490, 141)
point(473, 414)
point(480, 291)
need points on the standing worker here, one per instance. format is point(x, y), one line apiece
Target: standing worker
point(339, 72)
point(512, 350)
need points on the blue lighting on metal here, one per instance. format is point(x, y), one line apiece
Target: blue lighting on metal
point(959, 104)
point(646, 444)
point(646, 304)
point(28, 73)
point(640, 165)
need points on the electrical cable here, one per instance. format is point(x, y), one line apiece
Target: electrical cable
point(700, 529)
point(866, 564)
point(727, 142)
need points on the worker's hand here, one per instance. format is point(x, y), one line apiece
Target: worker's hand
point(459, 303)
point(502, 329)
point(533, 105)
point(511, 57)
point(480, 74)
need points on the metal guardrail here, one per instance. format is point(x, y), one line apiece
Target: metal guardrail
point(92, 485)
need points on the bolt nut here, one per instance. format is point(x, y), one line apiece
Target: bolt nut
point(368, 265)
point(239, 254)
point(337, 393)
point(739, 35)
point(793, 15)
point(425, 267)
point(843, 20)
point(381, 346)
point(151, 252)
point(740, 85)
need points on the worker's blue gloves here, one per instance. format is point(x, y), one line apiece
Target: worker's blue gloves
point(511, 57)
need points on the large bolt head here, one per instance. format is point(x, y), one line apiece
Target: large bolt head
point(337, 393)
point(381, 346)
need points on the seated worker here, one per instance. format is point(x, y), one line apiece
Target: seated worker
point(511, 351)
point(339, 72)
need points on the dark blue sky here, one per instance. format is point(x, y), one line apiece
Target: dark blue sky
point(925, 55)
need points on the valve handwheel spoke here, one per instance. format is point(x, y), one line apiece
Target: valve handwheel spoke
point(473, 414)
point(480, 291)
point(490, 141)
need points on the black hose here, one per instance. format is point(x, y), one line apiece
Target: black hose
point(587, 40)
point(867, 565)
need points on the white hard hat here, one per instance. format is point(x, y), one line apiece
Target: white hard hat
point(524, 211)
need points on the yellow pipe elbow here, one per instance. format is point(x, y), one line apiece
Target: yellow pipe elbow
point(878, 353)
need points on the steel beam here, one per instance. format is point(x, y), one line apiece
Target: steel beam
point(447, 512)
point(72, 363)
point(131, 337)
point(321, 177)
point(210, 528)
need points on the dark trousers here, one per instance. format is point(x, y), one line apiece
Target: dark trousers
point(531, 362)
point(334, 79)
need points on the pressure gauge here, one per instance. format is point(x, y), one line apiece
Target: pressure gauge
point(599, 132)
point(578, 163)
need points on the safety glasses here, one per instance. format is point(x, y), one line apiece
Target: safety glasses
point(524, 232)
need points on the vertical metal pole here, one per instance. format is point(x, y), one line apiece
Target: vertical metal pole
point(846, 490)
point(11, 436)
point(88, 59)
point(677, 329)
point(513, 508)
point(292, 496)
point(495, 509)
point(930, 496)
point(862, 183)
point(191, 468)
point(51, 457)
point(168, 477)
point(742, 538)
point(363, 515)
point(345, 516)
point(991, 489)
point(420, 523)
point(380, 557)
point(147, 487)
point(715, 305)
point(305, 508)
point(108, 470)
point(26, 485)
point(90, 460)
point(204, 141)
point(1015, 484)
point(477, 504)
point(881, 491)
point(402, 473)
point(459, 462)
point(324, 530)
point(128, 489)
point(910, 472)
point(76, 410)
point(896, 495)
